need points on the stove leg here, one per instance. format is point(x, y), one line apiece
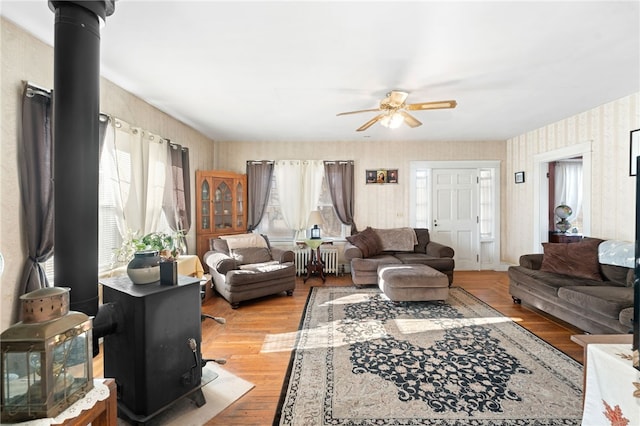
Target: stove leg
point(198, 398)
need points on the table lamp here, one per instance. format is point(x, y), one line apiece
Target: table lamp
point(315, 219)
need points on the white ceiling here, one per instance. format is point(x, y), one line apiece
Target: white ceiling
point(281, 71)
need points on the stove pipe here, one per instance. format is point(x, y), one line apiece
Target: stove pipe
point(76, 109)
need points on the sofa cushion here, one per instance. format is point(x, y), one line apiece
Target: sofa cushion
point(439, 263)
point(371, 263)
point(397, 239)
point(544, 283)
point(367, 241)
point(573, 259)
point(617, 275)
point(605, 300)
point(248, 255)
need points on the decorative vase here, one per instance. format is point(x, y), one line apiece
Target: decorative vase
point(144, 268)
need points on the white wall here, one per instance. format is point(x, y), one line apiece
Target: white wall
point(380, 206)
point(613, 190)
point(25, 58)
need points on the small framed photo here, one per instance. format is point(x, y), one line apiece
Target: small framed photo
point(519, 177)
point(635, 151)
point(392, 176)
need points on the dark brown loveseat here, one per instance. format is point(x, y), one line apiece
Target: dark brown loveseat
point(374, 247)
point(586, 284)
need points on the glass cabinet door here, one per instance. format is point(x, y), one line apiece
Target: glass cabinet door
point(205, 197)
point(239, 206)
point(223, 206)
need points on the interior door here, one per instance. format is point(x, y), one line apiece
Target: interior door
point(455, 214)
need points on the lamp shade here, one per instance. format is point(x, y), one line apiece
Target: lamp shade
point(315, 218)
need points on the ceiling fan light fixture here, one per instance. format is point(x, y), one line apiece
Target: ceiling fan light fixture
point(392, 120)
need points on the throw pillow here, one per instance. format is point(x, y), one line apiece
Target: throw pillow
point(367, 241)
point(218, 244)
point(247, 255)
point(225, 265)
point(578, 260)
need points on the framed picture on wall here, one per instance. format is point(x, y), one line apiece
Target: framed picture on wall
point(519, 177)
point(382, 176)
point(635, 151)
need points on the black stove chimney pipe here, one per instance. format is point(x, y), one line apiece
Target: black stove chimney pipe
point(76, 109)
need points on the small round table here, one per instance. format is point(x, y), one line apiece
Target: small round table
point(314, 265)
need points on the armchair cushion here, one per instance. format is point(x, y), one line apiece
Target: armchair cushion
point(226, 264)
point(247, 255)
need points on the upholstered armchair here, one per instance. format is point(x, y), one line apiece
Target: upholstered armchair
point(245, 267)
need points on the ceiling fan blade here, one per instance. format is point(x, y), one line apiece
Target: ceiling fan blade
point(370, 123)
point(357, 112)
point(431, 105)
point(410, 119)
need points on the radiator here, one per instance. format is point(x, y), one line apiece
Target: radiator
point(328, 256)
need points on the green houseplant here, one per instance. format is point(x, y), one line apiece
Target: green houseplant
point(168, 245)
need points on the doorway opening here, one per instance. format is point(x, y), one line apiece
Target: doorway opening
point(544, 220)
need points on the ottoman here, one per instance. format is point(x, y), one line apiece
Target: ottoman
point(408, 282)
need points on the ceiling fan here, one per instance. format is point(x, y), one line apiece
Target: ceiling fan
point(393, 111)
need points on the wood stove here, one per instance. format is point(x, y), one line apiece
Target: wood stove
point(153, 351)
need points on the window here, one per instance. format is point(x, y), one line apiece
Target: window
point(274, 226)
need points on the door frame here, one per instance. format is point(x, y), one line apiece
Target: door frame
point(541, 189)
point(461, 164)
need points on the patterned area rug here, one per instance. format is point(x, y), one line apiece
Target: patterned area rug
point(361, 360)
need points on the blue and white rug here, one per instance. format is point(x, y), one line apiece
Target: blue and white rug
point(359, 359)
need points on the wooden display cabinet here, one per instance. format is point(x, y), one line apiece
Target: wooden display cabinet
point(220, 206)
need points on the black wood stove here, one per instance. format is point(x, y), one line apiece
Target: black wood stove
point(153, 347)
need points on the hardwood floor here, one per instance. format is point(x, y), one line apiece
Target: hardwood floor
point(240, 341)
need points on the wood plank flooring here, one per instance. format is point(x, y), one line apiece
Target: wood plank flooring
point(240, 341)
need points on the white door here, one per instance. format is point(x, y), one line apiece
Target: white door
point(455, 214)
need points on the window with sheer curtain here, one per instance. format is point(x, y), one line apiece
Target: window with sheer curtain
point(278, 228)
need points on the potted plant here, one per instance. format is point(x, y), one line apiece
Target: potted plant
point(168, 245)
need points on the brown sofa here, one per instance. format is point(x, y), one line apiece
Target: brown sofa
point(580, 283)
point(245, 267)
point(374, 247)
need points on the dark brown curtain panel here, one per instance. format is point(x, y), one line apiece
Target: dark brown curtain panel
point(36, 185)
point(177, 205)
point(259, 175)
point(339, 175)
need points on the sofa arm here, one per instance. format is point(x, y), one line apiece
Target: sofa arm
point(352, 252)
point(439, 250)
point(282, 255)
point(531, 261)
point(220, 262)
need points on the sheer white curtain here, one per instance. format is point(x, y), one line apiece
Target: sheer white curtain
point(299, 184)
point(568, 186)
point(135, 162)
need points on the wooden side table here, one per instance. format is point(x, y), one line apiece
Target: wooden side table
point(314, 265)
point(103, 413)
point(555, 237)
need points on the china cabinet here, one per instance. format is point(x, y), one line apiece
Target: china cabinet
point(220, 206)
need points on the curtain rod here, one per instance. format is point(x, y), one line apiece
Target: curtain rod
point(34, 89)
